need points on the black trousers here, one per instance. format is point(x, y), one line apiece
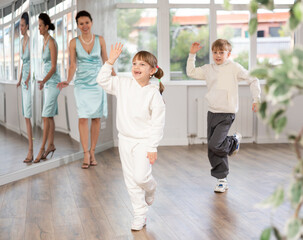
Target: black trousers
point(219, 144)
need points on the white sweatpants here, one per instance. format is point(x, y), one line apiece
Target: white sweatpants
point(137, 172)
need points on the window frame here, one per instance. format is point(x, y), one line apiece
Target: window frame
point(163, 8)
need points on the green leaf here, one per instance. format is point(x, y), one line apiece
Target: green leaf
point(273, 118)
point(266, 234)
point(260, 73)
point(296, 192)
point(227, 5)
point(264, 2)
point(292, 137)
point(275, 200)
point(253, 24)
point(281, 89)
point(293, 229)
point(262, 109)
point(293, 22)
point(253, 6)
point(280, 124)
point(298, 11)
point(277, 233)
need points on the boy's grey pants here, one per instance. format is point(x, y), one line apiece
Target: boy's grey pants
point(219, 144)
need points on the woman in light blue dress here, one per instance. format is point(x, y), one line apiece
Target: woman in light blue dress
point(25, 83)
point(49, 86)
point(86, 52)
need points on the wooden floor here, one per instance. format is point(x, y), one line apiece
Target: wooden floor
point(14, 148)
point(71, 203)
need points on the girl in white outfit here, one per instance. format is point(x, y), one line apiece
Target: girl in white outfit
point(140, 123)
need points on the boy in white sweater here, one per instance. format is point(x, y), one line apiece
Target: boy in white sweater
point(140, 122)
point(222, 78)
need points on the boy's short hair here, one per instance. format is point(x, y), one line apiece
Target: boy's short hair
point(221, 44)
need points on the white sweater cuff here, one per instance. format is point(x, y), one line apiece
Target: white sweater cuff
point(108, 66)
point(151, 149)
point(192, 55)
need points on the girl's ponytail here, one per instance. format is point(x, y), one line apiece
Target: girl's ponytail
point(159, 74)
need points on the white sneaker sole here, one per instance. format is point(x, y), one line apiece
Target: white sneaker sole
point(220, 191)
point(138, 228)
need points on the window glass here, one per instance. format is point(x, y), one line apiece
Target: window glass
point(187, 26)
point(1, 55)
point(233, 26)
point(16, 48)
point(7, 52)
point(272, 35)
point(137, 30)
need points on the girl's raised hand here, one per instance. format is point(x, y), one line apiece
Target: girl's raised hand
point(195, 47)
point(115, 52)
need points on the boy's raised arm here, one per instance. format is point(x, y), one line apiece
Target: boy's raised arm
point(191, 70)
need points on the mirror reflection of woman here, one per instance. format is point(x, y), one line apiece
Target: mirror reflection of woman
point(49, 86)
point(24, 82)
point(86, 52)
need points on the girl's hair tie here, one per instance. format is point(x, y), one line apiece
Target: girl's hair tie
point(159, 80)
point(157, 66)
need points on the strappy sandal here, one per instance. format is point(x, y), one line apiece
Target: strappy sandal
point(40, 154)
point(48, 151)
point(93, 162)
point(29, 160)
point(84, 164)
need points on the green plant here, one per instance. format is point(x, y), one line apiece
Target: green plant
point(283, 84)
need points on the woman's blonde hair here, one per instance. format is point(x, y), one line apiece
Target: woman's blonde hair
point(153, 62)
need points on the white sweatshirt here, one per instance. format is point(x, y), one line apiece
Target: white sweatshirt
point(222, 84)
point(140, 110)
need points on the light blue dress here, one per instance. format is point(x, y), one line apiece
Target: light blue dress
point(91, 99)
point(50, 92)
point(26, 93)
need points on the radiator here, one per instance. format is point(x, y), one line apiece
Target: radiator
point(242, 124)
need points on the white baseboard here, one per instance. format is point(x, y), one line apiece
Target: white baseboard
point(62, 130)
point(272, 140)
point(47, 165)
point(76, 137)
point(174, 142)
point(166, 142)
point(12, 128)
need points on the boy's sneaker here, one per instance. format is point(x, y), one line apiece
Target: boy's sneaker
point(138, 223)
point(150, 196)
point(221, 186)
point(238, 136)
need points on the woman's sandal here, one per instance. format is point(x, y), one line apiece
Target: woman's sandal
point(48, 151)
point(40, 155)
point(27, 159)
point(84, 164)
point(93, 162)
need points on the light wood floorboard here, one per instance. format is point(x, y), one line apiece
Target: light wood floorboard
point(69, 203)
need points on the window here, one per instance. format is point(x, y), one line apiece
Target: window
point(187, 26)
point(7, 14)
point(233, 25)
point(7, 52)
point(18, 7)
point(51, 7)
point(274, 35)
point(59, 40)
point(68, 35)
point(1, 55)
point(137, 30)
point(16, 48)
point(274, 31)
